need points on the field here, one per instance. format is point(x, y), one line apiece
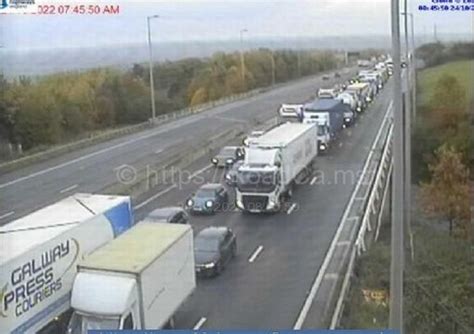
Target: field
point(463, 71)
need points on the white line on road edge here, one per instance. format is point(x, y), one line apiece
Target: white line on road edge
point(199, 323)
point(196, 173)
point(313, 181)
point(8, 214)
point(69, 189)
point(152, 198)
point(319, 277)
point(256, 253)
point(158, 151)
point(291, 209)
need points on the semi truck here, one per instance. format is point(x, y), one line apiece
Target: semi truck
point(39, 253)
point(137, 281)
point(273, 163)
point(328, 114)
point(362, 91)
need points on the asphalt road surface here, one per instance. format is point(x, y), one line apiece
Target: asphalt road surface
point(92, 169)
point(286, 249)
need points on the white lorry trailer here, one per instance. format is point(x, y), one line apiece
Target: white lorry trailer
point(136, 281)
point(272, 164)
point(39, 253)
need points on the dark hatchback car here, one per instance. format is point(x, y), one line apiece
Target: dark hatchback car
point(214, 247)
point(231, 175)
point(208, 199)
point(174, 215)
point(227, 156)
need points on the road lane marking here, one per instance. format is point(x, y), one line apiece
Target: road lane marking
point(121, 167)
point(196, 173)
point(308, 302)
point(199, 323)
point(8, 214)
point(291, 209)
point(152, 198)
point(255, 254)
point(313, 181)
point(158, 151)
point(74, 186)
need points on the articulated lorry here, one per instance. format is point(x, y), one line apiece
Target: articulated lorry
point(328, 114)
point(39, 253)
point(273, 163)
point(137, 281)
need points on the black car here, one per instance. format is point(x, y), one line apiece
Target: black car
point(208, 199)
point(174, 215)
point(214, 247)
point(231, 175)
point(227, 156)
point(326, 77)
point(337, 75)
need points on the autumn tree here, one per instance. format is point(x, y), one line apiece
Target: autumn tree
point(447, 194)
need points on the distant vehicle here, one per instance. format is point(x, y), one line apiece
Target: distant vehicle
point(231, 175)
point(227, 156)
point(290, 111)
point(328, 114)
point(337, 75)
point(173, 214)
point(273, 164)
point(326, 77)
point(137, 281)
point(208, 199)
point(362, 90)
point(214, 247)
point(327, 93)
point(254, 134)
point(348, 99)
point(59, 234)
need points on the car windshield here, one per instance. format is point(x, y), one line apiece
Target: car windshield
point(205, 193)
point(160, 214)
point(203, 244)
point(227, 151)
point(258, 181)
point(80, 324)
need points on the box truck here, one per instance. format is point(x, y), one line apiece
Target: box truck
point(328, 114)
point(137, 281)
point(272, 165)
point(39, 253)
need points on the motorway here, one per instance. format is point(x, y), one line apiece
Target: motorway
point(93, 168)
point(279, 255)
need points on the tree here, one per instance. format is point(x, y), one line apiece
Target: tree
point(447, 194)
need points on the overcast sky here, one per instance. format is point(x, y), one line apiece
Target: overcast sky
point(211, 20)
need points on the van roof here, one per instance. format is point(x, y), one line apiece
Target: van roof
point(322, 104)
point(23, 234)
point(136, 249)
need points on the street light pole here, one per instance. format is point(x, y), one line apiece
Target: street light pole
point(242, 61)
point(150, 65)
point(397, 244)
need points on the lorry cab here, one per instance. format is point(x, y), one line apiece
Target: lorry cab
point(118, 307)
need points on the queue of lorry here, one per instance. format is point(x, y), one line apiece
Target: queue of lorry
point(83, 263)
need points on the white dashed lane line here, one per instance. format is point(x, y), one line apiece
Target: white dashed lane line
point(255, 254)
point(199, 323)
point(69, 189)
point(8, 214)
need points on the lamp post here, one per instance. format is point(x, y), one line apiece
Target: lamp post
point(397, 243)
point(152, 85)
point(242, 61)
